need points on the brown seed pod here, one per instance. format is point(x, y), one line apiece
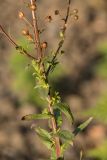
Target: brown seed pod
point(29, 37)
point(75, 11)
point(21, 15)
point(56, 12)
point(25, 32)
point(76, 17)
point(44, 45)
point(49, 18)
point(33, 7)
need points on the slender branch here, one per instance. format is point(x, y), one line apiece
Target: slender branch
point(21, 49)
point(62, 41)
point(36, 32)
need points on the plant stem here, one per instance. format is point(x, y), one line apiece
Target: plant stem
point(54, 127)
point(39, 51)
point(36, 32)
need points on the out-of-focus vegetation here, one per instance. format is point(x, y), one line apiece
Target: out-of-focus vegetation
point(100, 152)
point(99, 112)
point(101, 69)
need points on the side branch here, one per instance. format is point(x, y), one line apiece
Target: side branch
point(19, 48)
point(62, 41)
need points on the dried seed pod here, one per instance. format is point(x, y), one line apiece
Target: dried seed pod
point(75, 11)
point(49, 18)
point(76, 17)
point(56, 12)
point(25, 32)
point(29, 37)
point(21, 15)
point(44, 45)
point(33, 7)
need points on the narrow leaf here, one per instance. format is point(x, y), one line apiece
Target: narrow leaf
point(66, 135)
point(66, 110)
point(65, 146)
point(82, 126)
point(36, 116)
point(45, 136)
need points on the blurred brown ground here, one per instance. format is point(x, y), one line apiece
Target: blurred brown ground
point(81, 91)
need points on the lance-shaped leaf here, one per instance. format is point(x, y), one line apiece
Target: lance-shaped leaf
point(45, 136)
point(37, 116)
point(65, 146)
point(66, 110)
point(82, 126)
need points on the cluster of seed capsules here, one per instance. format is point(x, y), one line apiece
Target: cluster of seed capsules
point(33, 7)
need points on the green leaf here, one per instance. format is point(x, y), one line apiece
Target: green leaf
point(65, 146)
point(82, 126)
point(66, 110)
point(46, 137)
point(66, 135)
point(53, 154)
point(58, 117)
point(37, 116)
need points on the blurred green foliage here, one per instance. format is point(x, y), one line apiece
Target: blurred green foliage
point(23, 82)
point(99, 111)
point(99, 153)
point(101, 68)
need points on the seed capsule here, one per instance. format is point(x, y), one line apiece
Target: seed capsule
point(76, 17)
point(49, 18)
point(75, 11)
point(44, 45)
point(56, 12)
point(25, 32)
point(21, 15)
point(33, 7)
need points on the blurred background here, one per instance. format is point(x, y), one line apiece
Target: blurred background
point(81, 79)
